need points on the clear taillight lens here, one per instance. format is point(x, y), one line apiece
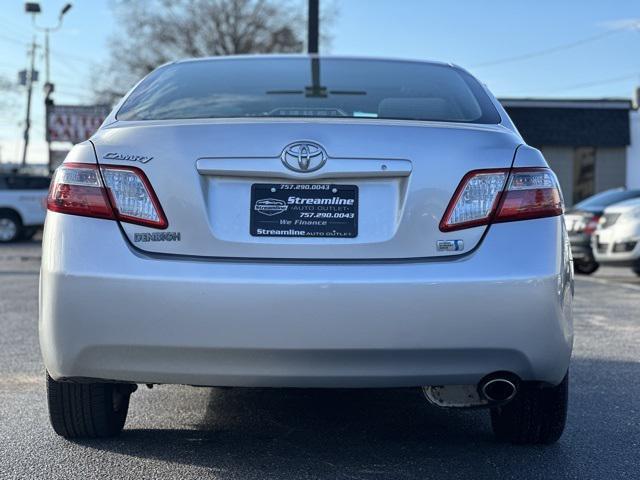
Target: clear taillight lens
point(475, 199)
point(482, 197)
point(78, 189)
point(133, 197)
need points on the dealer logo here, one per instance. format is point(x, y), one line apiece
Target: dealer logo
point(270, 206)
point(303, 157)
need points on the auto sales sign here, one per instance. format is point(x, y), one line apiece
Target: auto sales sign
point(74, 123)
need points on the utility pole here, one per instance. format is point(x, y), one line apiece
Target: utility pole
point(313, 27)
point(48, 90)
point(29, 80)
point(47, 79)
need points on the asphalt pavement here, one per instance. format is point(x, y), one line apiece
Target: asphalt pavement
point(196, 433)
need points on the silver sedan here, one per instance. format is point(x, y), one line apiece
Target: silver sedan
point(296, 221)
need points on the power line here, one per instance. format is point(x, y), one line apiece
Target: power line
point(14, 26)
point(7, 66)
point(13, 40)
point(595, 83)
point(7, 27)
point(70, 56)
point(10, 24)
point(557, 48)
point(599, 82)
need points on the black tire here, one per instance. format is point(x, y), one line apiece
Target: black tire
point(537, 415)
point(10, 226)
point(636, 269)
point(585, 267)
point(88, 410)
point(28, 233)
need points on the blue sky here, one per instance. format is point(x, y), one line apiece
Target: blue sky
point(605, 61)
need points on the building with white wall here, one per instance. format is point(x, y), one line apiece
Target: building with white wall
point(633, 151)
point(592, 145)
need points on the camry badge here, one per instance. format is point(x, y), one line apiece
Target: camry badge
point(304, 157)
point(127, 157)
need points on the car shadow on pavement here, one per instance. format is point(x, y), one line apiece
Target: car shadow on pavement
point(267, 433)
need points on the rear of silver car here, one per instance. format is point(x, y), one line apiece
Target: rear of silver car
point(308, 252)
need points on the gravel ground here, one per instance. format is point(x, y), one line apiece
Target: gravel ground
point(186, 432)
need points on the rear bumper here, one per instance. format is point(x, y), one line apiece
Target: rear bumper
point(108, 312)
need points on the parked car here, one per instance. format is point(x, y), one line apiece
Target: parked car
point(617, 239)
point(22, 205)
point(295, 221)
point(582, 221)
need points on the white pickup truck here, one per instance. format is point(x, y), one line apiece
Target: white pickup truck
point(22, 205)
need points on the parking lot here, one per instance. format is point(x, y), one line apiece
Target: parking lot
point(187, 432)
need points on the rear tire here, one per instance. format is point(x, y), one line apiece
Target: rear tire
point(537, 415)
point(636, 269)
point(10, 227)
point(586, 268)
point(88, 410)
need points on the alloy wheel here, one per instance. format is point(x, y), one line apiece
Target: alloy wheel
point(8, 229)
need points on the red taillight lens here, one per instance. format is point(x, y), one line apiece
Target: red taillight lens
point(530, 193)
point(501, 195)
point(592, 225)
point(79, 189)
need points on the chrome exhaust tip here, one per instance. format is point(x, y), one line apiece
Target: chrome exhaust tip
point(498, 390)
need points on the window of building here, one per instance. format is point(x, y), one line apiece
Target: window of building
point(584, 168)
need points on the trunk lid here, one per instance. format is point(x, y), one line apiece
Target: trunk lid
point(203, 172)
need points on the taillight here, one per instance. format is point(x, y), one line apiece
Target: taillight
point(77, 189)
point(501, 195)
point(133, 199)
point(531, 193)
point(113, 192)
point(591, 225)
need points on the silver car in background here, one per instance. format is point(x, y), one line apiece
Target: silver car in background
point(616, 241)
point(313, 222)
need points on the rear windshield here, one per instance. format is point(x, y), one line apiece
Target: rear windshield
point(310, 87)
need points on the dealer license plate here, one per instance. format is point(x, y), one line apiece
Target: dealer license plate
point(304, 210)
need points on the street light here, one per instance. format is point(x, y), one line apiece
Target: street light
point(64, 10)
point(34, 8)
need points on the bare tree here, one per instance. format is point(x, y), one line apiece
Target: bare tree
point(153, 32)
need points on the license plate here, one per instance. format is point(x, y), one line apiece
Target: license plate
point(304, 210)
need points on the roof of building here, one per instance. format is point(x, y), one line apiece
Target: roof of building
point(579, 122)
point(603, 103)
